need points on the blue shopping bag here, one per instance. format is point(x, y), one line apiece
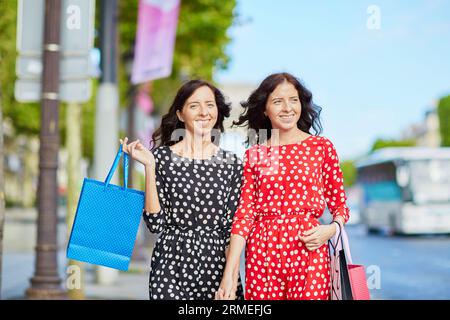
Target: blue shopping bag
point(107, 220)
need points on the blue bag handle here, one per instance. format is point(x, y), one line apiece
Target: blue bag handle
point(114, 167)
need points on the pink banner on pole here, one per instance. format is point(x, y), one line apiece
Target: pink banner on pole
point(155, 39)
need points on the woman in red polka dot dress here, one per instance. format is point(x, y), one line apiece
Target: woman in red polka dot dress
point(288, 180)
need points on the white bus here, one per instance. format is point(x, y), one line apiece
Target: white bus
point(406, 190)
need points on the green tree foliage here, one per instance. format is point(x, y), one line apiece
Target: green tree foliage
point(381, 143)
point(443, 111)
point(87, 124)
point(25, 117)
point(349, 171)
point(200, 44)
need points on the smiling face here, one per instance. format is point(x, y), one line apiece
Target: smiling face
point(199, 112)
point(283, 107)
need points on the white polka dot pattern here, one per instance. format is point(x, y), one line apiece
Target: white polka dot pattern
point(198, 199)
point(285, 189)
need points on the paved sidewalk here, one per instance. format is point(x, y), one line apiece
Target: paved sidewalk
point(130, 285)
point(18, 268)
point(18, 261)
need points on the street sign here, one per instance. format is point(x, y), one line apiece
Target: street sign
point(30, 26)
point(76, 43)
point(69, 91)
point(70, 68)
point(77, 27)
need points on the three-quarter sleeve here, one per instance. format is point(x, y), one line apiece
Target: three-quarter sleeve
point(333, 183)
point(233, 199)
point(245, 214)
point(156, 222)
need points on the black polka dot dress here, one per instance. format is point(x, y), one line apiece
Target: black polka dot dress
point(198, 198)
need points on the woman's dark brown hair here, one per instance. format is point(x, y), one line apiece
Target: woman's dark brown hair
point(255, 106)
point(170, 122)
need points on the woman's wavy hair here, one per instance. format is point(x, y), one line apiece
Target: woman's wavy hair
point(255, 106)
point(170, 122)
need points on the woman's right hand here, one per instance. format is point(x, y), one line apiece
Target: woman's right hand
point(227, 289)
point(138, 152)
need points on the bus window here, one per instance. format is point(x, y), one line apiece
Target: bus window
point(430, 181)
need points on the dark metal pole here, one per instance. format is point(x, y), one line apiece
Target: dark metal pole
point(108, 40)
point(131, 127)
point(45, 284)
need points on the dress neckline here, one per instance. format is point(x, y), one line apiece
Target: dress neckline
point(219, 150)
point(290, 144)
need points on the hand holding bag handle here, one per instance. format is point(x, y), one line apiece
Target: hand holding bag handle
point(114, 167)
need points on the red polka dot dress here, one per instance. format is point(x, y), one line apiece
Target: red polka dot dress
point(284, 191)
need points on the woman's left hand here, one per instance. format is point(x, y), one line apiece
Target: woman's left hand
point(317, 236)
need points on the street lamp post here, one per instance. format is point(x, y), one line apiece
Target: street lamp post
point(46, 283)
point(131, 95)
point(106, 140)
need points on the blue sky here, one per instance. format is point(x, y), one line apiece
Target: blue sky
point(370, 83)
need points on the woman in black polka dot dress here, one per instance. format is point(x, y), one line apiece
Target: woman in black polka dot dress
point(192, 191)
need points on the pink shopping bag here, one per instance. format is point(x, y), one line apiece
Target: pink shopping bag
point(348, 280)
